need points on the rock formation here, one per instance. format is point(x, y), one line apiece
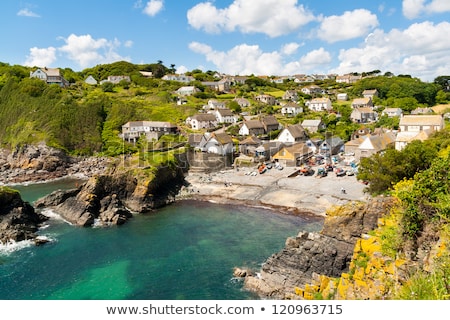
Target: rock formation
point(111, 198)
point(18, 219)
point(310, 255)
point(30, 163)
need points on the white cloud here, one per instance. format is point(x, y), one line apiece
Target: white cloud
point(87, 51)
point(153, 7)
point(415, 8)
point(41, 57)
point(417, 50)
point(28, 13)
point(350, 25)
point(271, 17)
point(250, 59)
point(182, 69)
point(290, 48)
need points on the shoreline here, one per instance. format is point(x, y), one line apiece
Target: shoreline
point(300, 195)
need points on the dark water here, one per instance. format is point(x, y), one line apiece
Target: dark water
point(185, 251)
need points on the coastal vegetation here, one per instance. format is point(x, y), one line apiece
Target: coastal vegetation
point(85, 119)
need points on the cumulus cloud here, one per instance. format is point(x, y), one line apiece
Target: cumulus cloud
point(290, 48)
point(247, 59)
point(86, 50)
point(350, 25)
point(271, 17)
point(41, 57)
point(27, 13)
point(417, 50)
point(415, 8)
point(153, 7)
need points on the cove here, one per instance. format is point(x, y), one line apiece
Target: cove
point(186, 251)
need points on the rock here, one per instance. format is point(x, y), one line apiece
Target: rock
point(18, 219)
point(241, 273)
point(309, 255)
point(111, 198)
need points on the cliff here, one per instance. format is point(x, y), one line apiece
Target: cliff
point(18, 219)
point(309, 258)
point(112, 197)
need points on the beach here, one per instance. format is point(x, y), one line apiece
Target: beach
point(274, 188)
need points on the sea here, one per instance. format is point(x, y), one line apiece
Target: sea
point(184, 251)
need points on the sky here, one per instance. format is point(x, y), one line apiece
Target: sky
point(236, 37)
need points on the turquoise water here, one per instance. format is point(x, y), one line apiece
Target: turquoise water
point(184, 251)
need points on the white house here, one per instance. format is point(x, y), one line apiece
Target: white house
point(291, 109)
point(342, 96)
point(292, 134)
point(91, 80)
point(312, 89)
point(319, 104)
point(242, 102)
point(50, 76)
point(224, 116)
point(266, 98)
point(252, 127)
point(217, 143)
point(202, 121)
point(363, 115)
point(214, 104)
point(131, 131)
point(417, 127)
point(313, 125)
point(392, 112)
point(187, 90)
point(362, 103)
point(178, 77)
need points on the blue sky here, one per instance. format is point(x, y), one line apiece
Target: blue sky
point(261, 37)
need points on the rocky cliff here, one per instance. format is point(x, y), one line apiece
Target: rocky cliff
point(111, 198)
point(31, 163)
point(18, 219)
point(310, 256)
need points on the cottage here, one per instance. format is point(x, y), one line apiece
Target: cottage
point(224, 116)
point(312, 89)
point(342, 96)
point(116, 79)
point(248, 146)
point(153, 130)
point(362, 103)
point(291, 109)
point(194, 139)
point(266, 98)
point(214, 104)
point(50, 76)
point(270, 123)
point(217, 143)
point(267, 150)
point(252, 127)
point(202, 121)
point(313, 125)
point(219, 86)
point(91, 80)
point(417, 123)
point(187, 90)
point(373, 144)
point(293, 155)
point(242, 102)
point(290, 95)
point(426, 110)
point(178, 77)
point(292, 134)
point(392, 112)
point(363, 115)
point(370, 93)
point(319, 104)
point(331, 146)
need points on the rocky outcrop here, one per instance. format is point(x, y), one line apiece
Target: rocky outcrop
point(111, 198)
point(18, 219)
point(310, 255)
point(31, 163)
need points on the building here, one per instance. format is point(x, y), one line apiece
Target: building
point(217, 143)
point(187, 90)
point(363, 115)
point(50, 76)
point(291, 109)
point(293, 155)
point(178, 77)
point(252, 127)
point(417, 127)
point(91, 80)
point(313, 125)
point(266, 98)
point(133, 130)
point(362, 103)
point(319, 104)
point(202, 121)
point(392, 112)
point(224, 116)
point(292, 134)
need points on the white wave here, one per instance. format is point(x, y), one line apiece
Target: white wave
point(12, 246)
point(54, 215)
